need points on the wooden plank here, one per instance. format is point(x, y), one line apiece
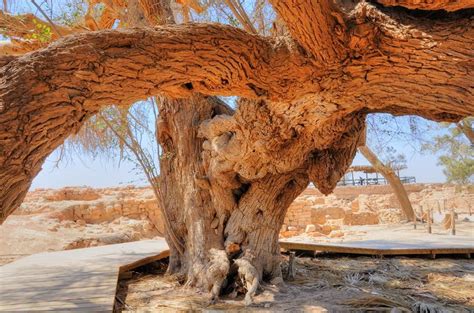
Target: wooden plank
point(57, 273)
point(364, 248)
point(89, 308)
point(76, 298)
point(60, 277)
point(75, 280)
point(104, 304)
point(58, 291)
point(64, 282)
point(144, 261)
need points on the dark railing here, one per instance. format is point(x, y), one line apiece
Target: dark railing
point(349, 181)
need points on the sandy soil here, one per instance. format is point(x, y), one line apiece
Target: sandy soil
point(323, 284)
point(402, 232)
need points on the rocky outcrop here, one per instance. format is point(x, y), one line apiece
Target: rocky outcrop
point(318, 215)
point(94, 206)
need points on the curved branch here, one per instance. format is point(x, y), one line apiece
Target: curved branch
point(409, 64)
point(178, 60)
point(317, 25)
point(447, 5)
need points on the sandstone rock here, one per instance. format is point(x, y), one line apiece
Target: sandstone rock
point(327, 229)
point(355, 205)
point(289, 233)
point(315, 234)
point(319, 216)
point(336, 234)
point(72, 193)
point(362, 218)
point(310, 228)
point(54, 228)
point(319, 200)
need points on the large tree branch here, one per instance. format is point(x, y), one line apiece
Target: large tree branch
point(317, 25)
point(448, 5)
point(409, 64)
point(394, 181)
point(179, 60)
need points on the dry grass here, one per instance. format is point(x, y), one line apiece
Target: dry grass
point(334, 284)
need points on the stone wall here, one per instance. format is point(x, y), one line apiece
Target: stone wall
point(372, 205)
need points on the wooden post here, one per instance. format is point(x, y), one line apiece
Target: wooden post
point(291, 272)
point(414, 221)
point(429, 219)
point(439, 207)
point(444, 205)
point(453, 222)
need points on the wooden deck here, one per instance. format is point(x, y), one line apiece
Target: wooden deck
point(433, 247)
point(82, 280)
point(85, 280)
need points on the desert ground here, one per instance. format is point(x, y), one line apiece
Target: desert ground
point(322, 284)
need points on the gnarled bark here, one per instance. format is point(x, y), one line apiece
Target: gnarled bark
point(448, 5)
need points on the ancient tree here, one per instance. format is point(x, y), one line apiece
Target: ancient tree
point(228, 176)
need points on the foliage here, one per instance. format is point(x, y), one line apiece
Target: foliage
point(43, 32)
point(455, 152)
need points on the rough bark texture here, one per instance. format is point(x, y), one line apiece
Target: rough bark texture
point(448, 5)
point(188, 205)
point(392, 179)
point(229, 176)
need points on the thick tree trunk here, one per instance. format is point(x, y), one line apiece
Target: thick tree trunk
point(392, 179)
point(187, 205)
point(216, 222)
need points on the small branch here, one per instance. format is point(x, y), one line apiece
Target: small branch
point(241, 16)
point(47, 18)
point(465, 127)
